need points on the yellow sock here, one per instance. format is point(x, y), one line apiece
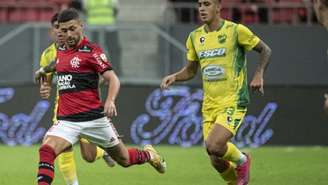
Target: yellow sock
point(230, 174)
point(233, 154)
point(100, 152)
point(84, 140)
point(67, 167)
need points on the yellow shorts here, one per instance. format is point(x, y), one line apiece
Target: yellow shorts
point(229, 117)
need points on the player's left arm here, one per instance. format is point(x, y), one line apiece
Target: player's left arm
point(250, 41)
point(113, 89)
point(103, 66)
point(265, 53)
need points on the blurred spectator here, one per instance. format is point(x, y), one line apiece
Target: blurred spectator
point(262, 12)
point(256, 12)
point(236, 15)
point(302, 12)
point(78, 5)
point(104, 13)
point(186, 14)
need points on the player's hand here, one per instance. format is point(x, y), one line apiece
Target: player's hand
point(325, 105)
point(257, 83)
point(110, 109)
point(39, 74)
point(45, 89)
point(167, 81)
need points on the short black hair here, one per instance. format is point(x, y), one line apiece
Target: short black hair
point(68, 14)
point(54, 18)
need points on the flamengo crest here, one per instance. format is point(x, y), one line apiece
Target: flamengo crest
point(75, 62)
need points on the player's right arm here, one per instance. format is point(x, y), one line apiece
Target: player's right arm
point(189, 71)
point(186, 73)
point(44, 78)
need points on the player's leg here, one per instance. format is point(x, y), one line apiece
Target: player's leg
point(225, 168)
point(131, 156)
point(67, 167)
point(217, 142)
point(91, 152)
point(103, 133)
point(58, 138)
point(50, 148)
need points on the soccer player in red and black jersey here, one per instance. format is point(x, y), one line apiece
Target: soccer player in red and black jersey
point(80, 111)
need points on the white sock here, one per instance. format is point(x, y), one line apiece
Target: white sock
point(75, 182)
point(242, 159)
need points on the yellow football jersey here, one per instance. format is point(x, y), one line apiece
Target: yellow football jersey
point(222, 58)
point(49, 55)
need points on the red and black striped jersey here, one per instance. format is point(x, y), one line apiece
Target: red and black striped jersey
point(77, 81)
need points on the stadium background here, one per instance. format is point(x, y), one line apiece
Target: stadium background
point(152, 35)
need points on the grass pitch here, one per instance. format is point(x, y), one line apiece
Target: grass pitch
point(186, 166)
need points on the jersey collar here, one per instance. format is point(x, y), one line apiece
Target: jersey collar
point(83, 42)
point(218, 29)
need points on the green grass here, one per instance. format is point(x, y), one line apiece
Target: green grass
point(186, 166)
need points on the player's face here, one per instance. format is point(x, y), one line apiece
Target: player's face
point(53, 31)
point(60, 38)
point(72, 32)
point(56, 35)
point(208, 10)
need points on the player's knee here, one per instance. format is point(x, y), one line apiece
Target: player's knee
point(89, 158)
point(122, 161)
point(217, 149)
point(218, 163)
point(124, 164)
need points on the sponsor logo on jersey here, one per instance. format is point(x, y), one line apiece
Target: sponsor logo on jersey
point(218, 52)
point(103, 57)
point(229, 119)
point(64, 82)
point(75, 62)
point(85, 49)
point(112, 139)
point(214, 73)
point(202, 39)
point(100, 61)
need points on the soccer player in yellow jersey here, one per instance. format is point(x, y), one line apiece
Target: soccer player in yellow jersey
point(89, 152)
point(218, 48)
point(321, 10)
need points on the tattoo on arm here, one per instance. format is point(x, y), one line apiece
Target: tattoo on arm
point(265, 54)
